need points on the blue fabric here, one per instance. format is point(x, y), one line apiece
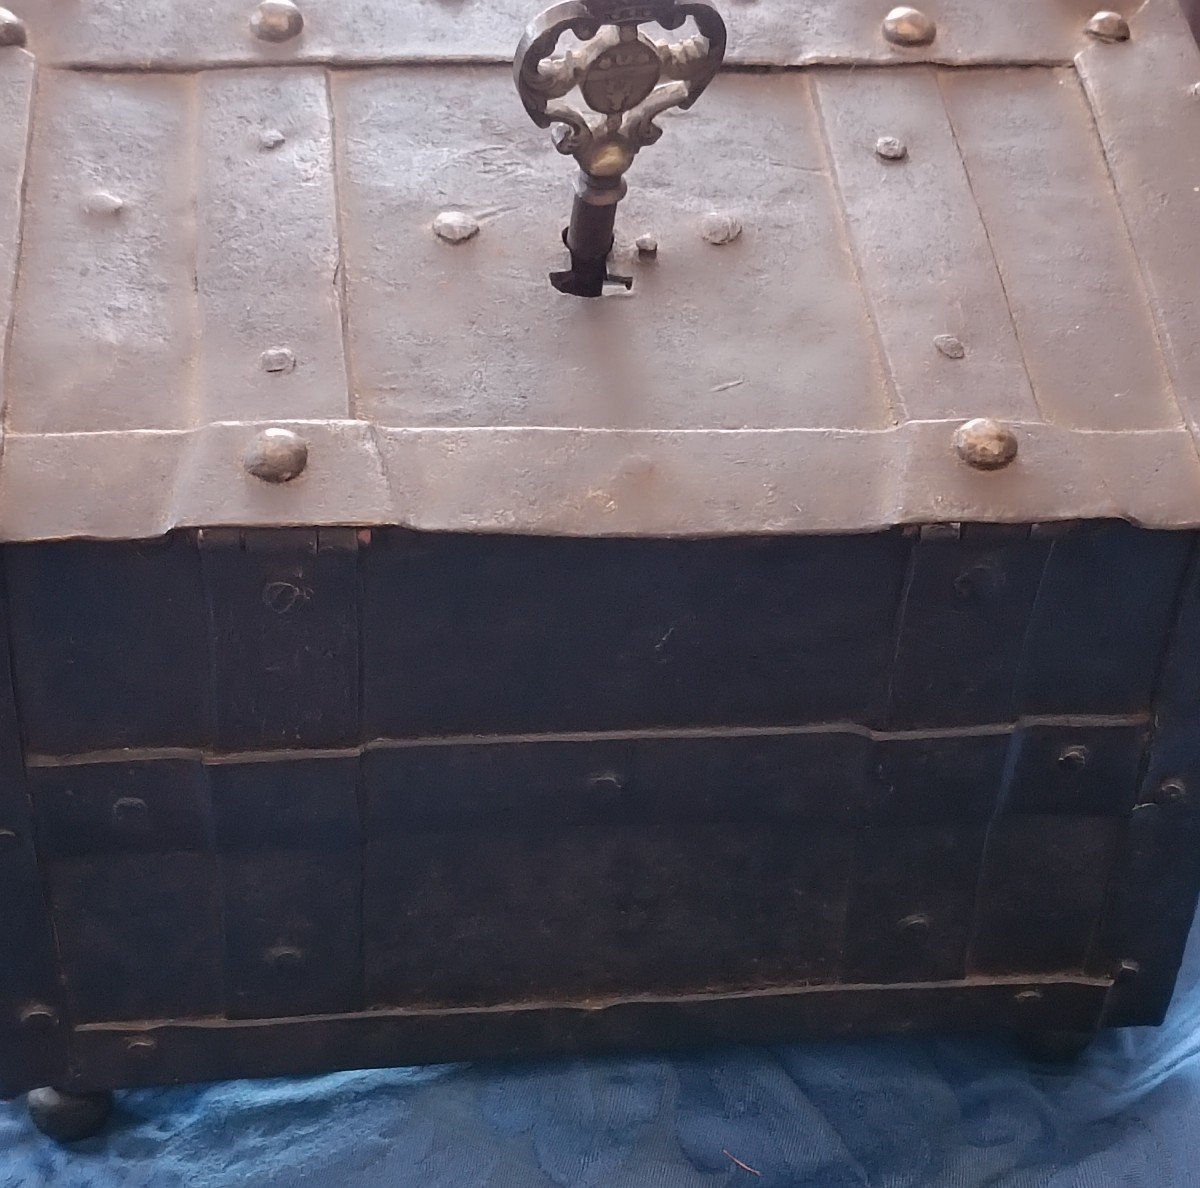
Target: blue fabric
point(888, 1113)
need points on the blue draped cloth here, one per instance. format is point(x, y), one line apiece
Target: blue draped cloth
point(889, 1113)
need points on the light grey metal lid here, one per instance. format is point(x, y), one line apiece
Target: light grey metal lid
point(309, 287)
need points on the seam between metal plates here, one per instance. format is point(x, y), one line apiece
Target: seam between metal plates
point(883, 364)
point(339, 229)
point(41, 876)
point(987, 235)
point(699, 733)
point(195, 379)
point(427, 61)
point(1164, 355)
point(22, 192)
point(1123, 861)
point(584, 430)
point(817, 990)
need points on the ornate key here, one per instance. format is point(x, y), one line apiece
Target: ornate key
point(619, 72)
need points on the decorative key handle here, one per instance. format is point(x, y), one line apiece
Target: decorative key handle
point(618, 71)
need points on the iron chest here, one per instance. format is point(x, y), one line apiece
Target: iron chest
point(408, 658)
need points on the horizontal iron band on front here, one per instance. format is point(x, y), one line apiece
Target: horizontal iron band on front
point(214, 1049)
point(217, 758)
point(588, 482)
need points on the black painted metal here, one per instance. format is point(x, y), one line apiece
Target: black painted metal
point(308, 800)
point(1154, 889)
point(33, 1029)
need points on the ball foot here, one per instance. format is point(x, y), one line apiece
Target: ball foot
point(67, 1117)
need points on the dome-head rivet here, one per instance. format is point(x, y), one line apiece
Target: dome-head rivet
point(141, 1046)
point(278, 360)
point(103, 202)
point(1171, 791)
point(455, 226)
point(984, 444)
point(719, 227)
point(908, 26)
point(609, 782)
point(950, 345)
point(130, 811)
point(276, 455)
point(1073, 758)
point(1108, 26)
point(888, 148)
point(12, 29)
point(276, 20)
point(39, 1017)
point(285, 958)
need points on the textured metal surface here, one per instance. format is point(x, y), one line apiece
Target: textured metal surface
point(1095, 646)
point(236, 251)
point(588, 635)
point(16, 100)
point(283, 635)
point(175, 34)
point(591, 482)
point(1150, 137)
point(108, 293)
point(1159, 866)
point(84, 611)
point(939, 776)
point(289, 848)
point(1030, 149)
point(961, 636)
point(629, 774)
point(913, 221)
point(219, 1049)
point(267, 252)
point(501, 356)
point(33, 1025)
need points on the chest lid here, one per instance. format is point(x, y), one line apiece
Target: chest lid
point(289, 265)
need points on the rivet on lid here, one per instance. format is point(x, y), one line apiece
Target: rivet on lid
point(276, 20)
point(950, 345)
point(720, 227)
point(276, 455)
point(985, 444)
point(102, 202)
point(277, 360)
point(888, 148)
point(1108, 26)
point(12, 29)
point(455, 226)
point(908, 26)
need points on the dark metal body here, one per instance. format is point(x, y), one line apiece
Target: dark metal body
point(285, 801)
